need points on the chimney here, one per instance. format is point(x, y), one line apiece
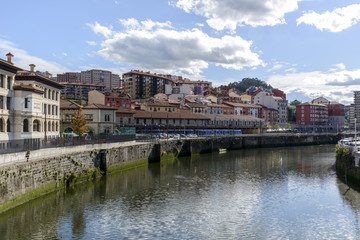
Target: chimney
point(48, 75)
point(9, 57)
point(32, 67)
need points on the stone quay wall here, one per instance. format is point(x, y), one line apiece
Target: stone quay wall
point(53, 169)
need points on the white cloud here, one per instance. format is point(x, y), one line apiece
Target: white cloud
point(64, 54)
point(276, 67)
point(335, 21)
point(134, 24)
point(91, 43)
point(336, 86)
point(228, 14)
point(339, 66)
point(185, 52)
point(22, 59)
point(97, 28)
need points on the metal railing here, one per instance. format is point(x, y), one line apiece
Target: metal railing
point(35, 144)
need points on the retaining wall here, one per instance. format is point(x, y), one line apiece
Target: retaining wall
point(52, 169)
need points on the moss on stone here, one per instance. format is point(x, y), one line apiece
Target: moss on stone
point(128, 166)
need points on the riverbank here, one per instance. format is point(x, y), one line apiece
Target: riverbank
point(54, 169)
point(347, 166)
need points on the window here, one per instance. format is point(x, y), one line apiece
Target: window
point(107, 117)
point(1, 102)
point(1, 125)
point(8, 126)
point(1, 80)
point(36, 126)
point(8, 82)
point(25, 125)
point(88, 117)
point(26, 102)
point(8, 103)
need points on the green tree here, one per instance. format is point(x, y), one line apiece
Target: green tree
point(79, 123)
point(267, 125)
point(295, 103)
point(276, 126)
point(245, 83)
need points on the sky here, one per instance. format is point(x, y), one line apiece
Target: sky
point(307, 48)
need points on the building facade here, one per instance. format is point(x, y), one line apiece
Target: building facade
point(140, 85)
point(312, 114)
point(79, 91)
point(110, 99)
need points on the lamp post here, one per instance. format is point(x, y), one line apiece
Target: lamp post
point(355, 136)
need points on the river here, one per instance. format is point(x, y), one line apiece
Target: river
point(270, 193)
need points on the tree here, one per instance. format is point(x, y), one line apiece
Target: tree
point(295, 103)
point(245, 83)
point(79, 123)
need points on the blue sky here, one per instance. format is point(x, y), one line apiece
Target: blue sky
point(307, 48)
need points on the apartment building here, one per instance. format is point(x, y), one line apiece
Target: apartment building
point(77, 91)
point(101, 77)
point(140, 85)
point(110, 99)
point(312, 114)
point(267, 99)
point(69, 77)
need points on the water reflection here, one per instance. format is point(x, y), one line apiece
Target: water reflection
point(256, 193)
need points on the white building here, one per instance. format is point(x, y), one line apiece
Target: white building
point(29, 104)
point(266, 99)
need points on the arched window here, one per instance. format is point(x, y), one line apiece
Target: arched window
point(36, 126)
point(8, 126)
point(45, 91)
point(25, 125)
point(2, 125)
point(53, 126)
point(57, 126)
point(53, 95)
point(49, 126)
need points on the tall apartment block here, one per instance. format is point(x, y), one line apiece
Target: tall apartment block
point(69, 77)
point(140, 85)
point(356, 111)
point(97, 77)
point(101, 77)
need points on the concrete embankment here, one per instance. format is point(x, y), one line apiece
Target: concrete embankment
point(347, 167)
point(53, 169)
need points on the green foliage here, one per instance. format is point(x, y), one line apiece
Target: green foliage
point(267, 125)
point(344, 155)
point(79, 123)
point(291, 113)
point(245, 83)
point(276, 126)
point(288, 126)
point(295, 103)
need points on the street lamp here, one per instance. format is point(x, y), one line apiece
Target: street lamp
point(355, 136)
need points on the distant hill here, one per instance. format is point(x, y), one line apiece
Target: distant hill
point(245, 83)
